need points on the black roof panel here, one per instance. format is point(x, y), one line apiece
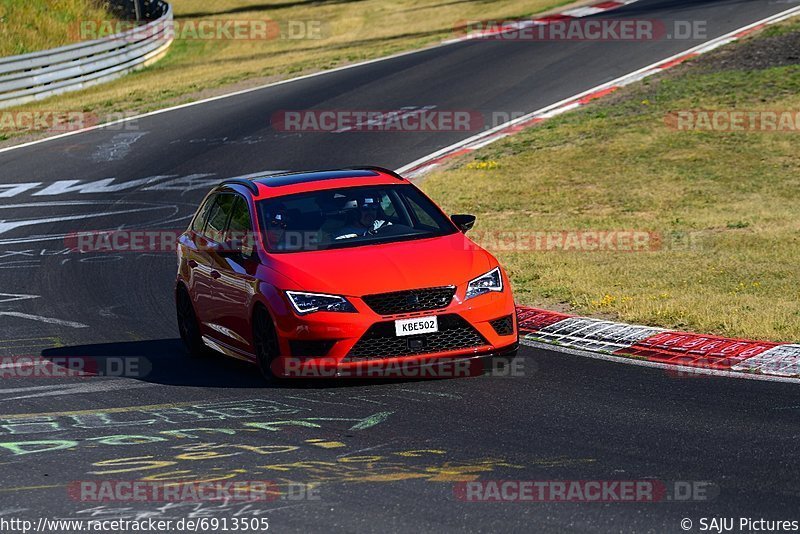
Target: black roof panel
point(314, 176)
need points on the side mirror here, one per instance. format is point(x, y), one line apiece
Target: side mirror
point(463, 222)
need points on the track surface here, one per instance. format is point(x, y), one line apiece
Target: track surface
point(390, 452)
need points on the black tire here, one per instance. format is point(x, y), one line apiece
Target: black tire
point(265, 343)
point(188, 326)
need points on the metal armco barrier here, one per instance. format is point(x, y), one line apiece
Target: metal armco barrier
point(39, 75)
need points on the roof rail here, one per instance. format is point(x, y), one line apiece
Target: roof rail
point(377, 169)
point(249, 184)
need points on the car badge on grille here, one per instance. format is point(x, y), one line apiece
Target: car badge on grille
point(412, 299)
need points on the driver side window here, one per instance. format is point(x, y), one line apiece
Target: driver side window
point(389, 209)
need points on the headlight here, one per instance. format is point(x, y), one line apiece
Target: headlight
point(491, 281)
point(304, 303)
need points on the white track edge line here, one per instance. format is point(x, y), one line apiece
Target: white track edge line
point(440, 44)
point(616, 82)
point(221, 97)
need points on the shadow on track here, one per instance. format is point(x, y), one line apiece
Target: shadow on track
point(161, 361)
point(165, 361)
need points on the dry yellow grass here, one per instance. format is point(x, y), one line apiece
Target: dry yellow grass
point(349, 31)
point(31, 25)
point(725, 203)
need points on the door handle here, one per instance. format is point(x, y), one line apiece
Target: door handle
point(215, 275)
point(192, 263)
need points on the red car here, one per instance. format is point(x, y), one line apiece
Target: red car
point(333, 272)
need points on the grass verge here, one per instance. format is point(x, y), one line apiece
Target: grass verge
point(31, 25)
point(724, 203)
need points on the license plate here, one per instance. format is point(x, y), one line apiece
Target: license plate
point(415, 326)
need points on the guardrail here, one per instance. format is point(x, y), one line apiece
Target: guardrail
point(39, 75)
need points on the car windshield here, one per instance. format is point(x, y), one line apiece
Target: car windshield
point(350, 217)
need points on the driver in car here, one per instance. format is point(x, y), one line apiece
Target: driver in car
point(276, 228)
point(369, 220)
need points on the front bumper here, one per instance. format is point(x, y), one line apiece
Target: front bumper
point(327, 345)
point(413, 367)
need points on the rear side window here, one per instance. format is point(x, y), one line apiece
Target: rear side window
point(202, 214)
point(240, 229)
point(240, 220)
point(218, 218)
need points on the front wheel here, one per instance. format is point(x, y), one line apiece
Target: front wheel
point(188, 326)
point(265, 341)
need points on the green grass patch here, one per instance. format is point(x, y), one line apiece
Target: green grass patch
point(725, 204)
point(32, 25)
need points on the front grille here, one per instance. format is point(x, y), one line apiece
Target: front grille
point(434, 298)
point(504, 326)
point(381, 341)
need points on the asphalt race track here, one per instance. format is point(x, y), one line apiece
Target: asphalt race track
point(389, 455)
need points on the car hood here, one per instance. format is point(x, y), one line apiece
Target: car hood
point(365, 270)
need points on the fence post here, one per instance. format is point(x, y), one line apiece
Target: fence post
point(138, 7)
